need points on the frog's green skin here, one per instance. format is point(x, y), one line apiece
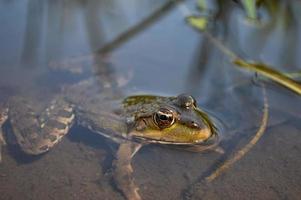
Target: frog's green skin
point(133, 121)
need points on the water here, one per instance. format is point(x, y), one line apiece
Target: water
point(166, 57)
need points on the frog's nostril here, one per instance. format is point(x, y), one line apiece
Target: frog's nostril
point(193, 124)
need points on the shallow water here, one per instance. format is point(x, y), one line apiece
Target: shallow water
point(42, 40)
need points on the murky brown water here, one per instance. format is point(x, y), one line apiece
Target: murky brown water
point(165, 57)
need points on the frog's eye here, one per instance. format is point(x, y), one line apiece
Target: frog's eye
point(164, 118)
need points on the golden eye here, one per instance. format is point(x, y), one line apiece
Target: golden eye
point(164, 118)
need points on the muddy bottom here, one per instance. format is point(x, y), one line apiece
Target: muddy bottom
point(79, 168)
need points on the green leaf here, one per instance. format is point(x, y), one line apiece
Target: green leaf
point(250, 7)
point(197, 22)
point(270, 73)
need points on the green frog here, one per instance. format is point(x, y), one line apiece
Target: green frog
point(132, 122)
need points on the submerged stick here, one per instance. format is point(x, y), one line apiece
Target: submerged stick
point(261, 69)
point(239, 154)
point(265, 71)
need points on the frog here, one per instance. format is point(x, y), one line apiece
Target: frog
point(130, 121)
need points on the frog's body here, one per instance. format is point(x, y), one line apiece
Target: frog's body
point(132, 122)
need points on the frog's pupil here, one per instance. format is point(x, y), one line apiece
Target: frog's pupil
point(163, 117)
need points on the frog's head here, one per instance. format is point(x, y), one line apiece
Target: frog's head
point(169, 120)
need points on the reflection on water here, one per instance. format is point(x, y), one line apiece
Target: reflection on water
point(56, 29)
point(49, 44)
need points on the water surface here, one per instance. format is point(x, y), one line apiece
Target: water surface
point(166, 57)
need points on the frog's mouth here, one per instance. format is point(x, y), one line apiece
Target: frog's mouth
point(209, 144)
point(213, 139)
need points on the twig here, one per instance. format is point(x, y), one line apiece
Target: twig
point(139, 27)
point(239, 154)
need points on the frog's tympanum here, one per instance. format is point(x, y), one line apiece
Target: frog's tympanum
point(132, 122)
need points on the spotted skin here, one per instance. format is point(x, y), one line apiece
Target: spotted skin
point(35, 132)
